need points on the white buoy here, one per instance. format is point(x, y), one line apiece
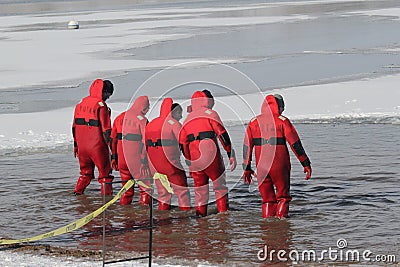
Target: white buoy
point(73, 24)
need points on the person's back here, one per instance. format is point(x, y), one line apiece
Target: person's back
point(198, 137)
point(133, 130)
point(162, 146)
point(128, 155)
point(166, 129)
point(268, 134)
point(204, 124)
point(88, 127)
point(91, 131)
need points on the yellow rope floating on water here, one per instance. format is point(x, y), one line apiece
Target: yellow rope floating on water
point(85, 220)
point(74, 225)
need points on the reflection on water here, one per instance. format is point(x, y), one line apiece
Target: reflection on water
point(353, 195)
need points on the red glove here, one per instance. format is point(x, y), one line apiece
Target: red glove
point(114, 165)
point(307, 169)
point(75, 151)
point(247, 176)
point(144, 170)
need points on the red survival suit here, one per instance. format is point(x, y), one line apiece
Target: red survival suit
point(269, 132)
point(128, 150)
point(162, 135)
point(198, 138)
point(91, 131)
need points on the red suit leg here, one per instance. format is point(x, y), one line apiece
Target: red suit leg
point(164, 197)
point(87, 173)
point(101, 159)
point(221, 193)
point(282, 183)
point(178, 182)
point(268, 196)
point(201, 192)
point(127, 197)
point(216, 172)
point(145, 193)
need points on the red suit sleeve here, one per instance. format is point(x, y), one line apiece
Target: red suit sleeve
point(222, 134)
point(114, 139)
point(73, 132)
point(248, 147)
point(142, 129)
point(105, 122)
point(294, 141)
point(184, 143)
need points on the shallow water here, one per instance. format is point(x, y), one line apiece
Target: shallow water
point(353, 195)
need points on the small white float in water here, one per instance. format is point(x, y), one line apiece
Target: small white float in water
point(73, 24)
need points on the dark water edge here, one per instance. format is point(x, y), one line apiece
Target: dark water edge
point(353, 195)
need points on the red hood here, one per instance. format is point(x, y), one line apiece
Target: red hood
point(199, 100)
point(140, 103)
point(270, 104)
point(166, 106)
point(96, 89)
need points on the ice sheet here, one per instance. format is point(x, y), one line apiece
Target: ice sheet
point(354, 101)
point(40, 50)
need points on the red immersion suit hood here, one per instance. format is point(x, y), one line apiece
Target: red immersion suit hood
point(140, 104)
point(199, 100)
point(270, 104)
point(96, 89)
point(166, 106)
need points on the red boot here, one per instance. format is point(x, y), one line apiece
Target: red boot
point(223, 204)
point(268, 209)
point(282, 209)
point(163, 206)
point(144, 199)
point(127, 197)
point(83, 182)
point(201, 211)
point(106, 183)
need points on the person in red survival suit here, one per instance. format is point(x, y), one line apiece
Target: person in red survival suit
point(268, 133)
point(128, 153)
point(162, 135)
point(91, 130)
point(198, 139)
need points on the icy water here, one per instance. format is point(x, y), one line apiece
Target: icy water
point(353, 195)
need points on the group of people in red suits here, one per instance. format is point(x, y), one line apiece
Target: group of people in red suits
point(140, 149)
